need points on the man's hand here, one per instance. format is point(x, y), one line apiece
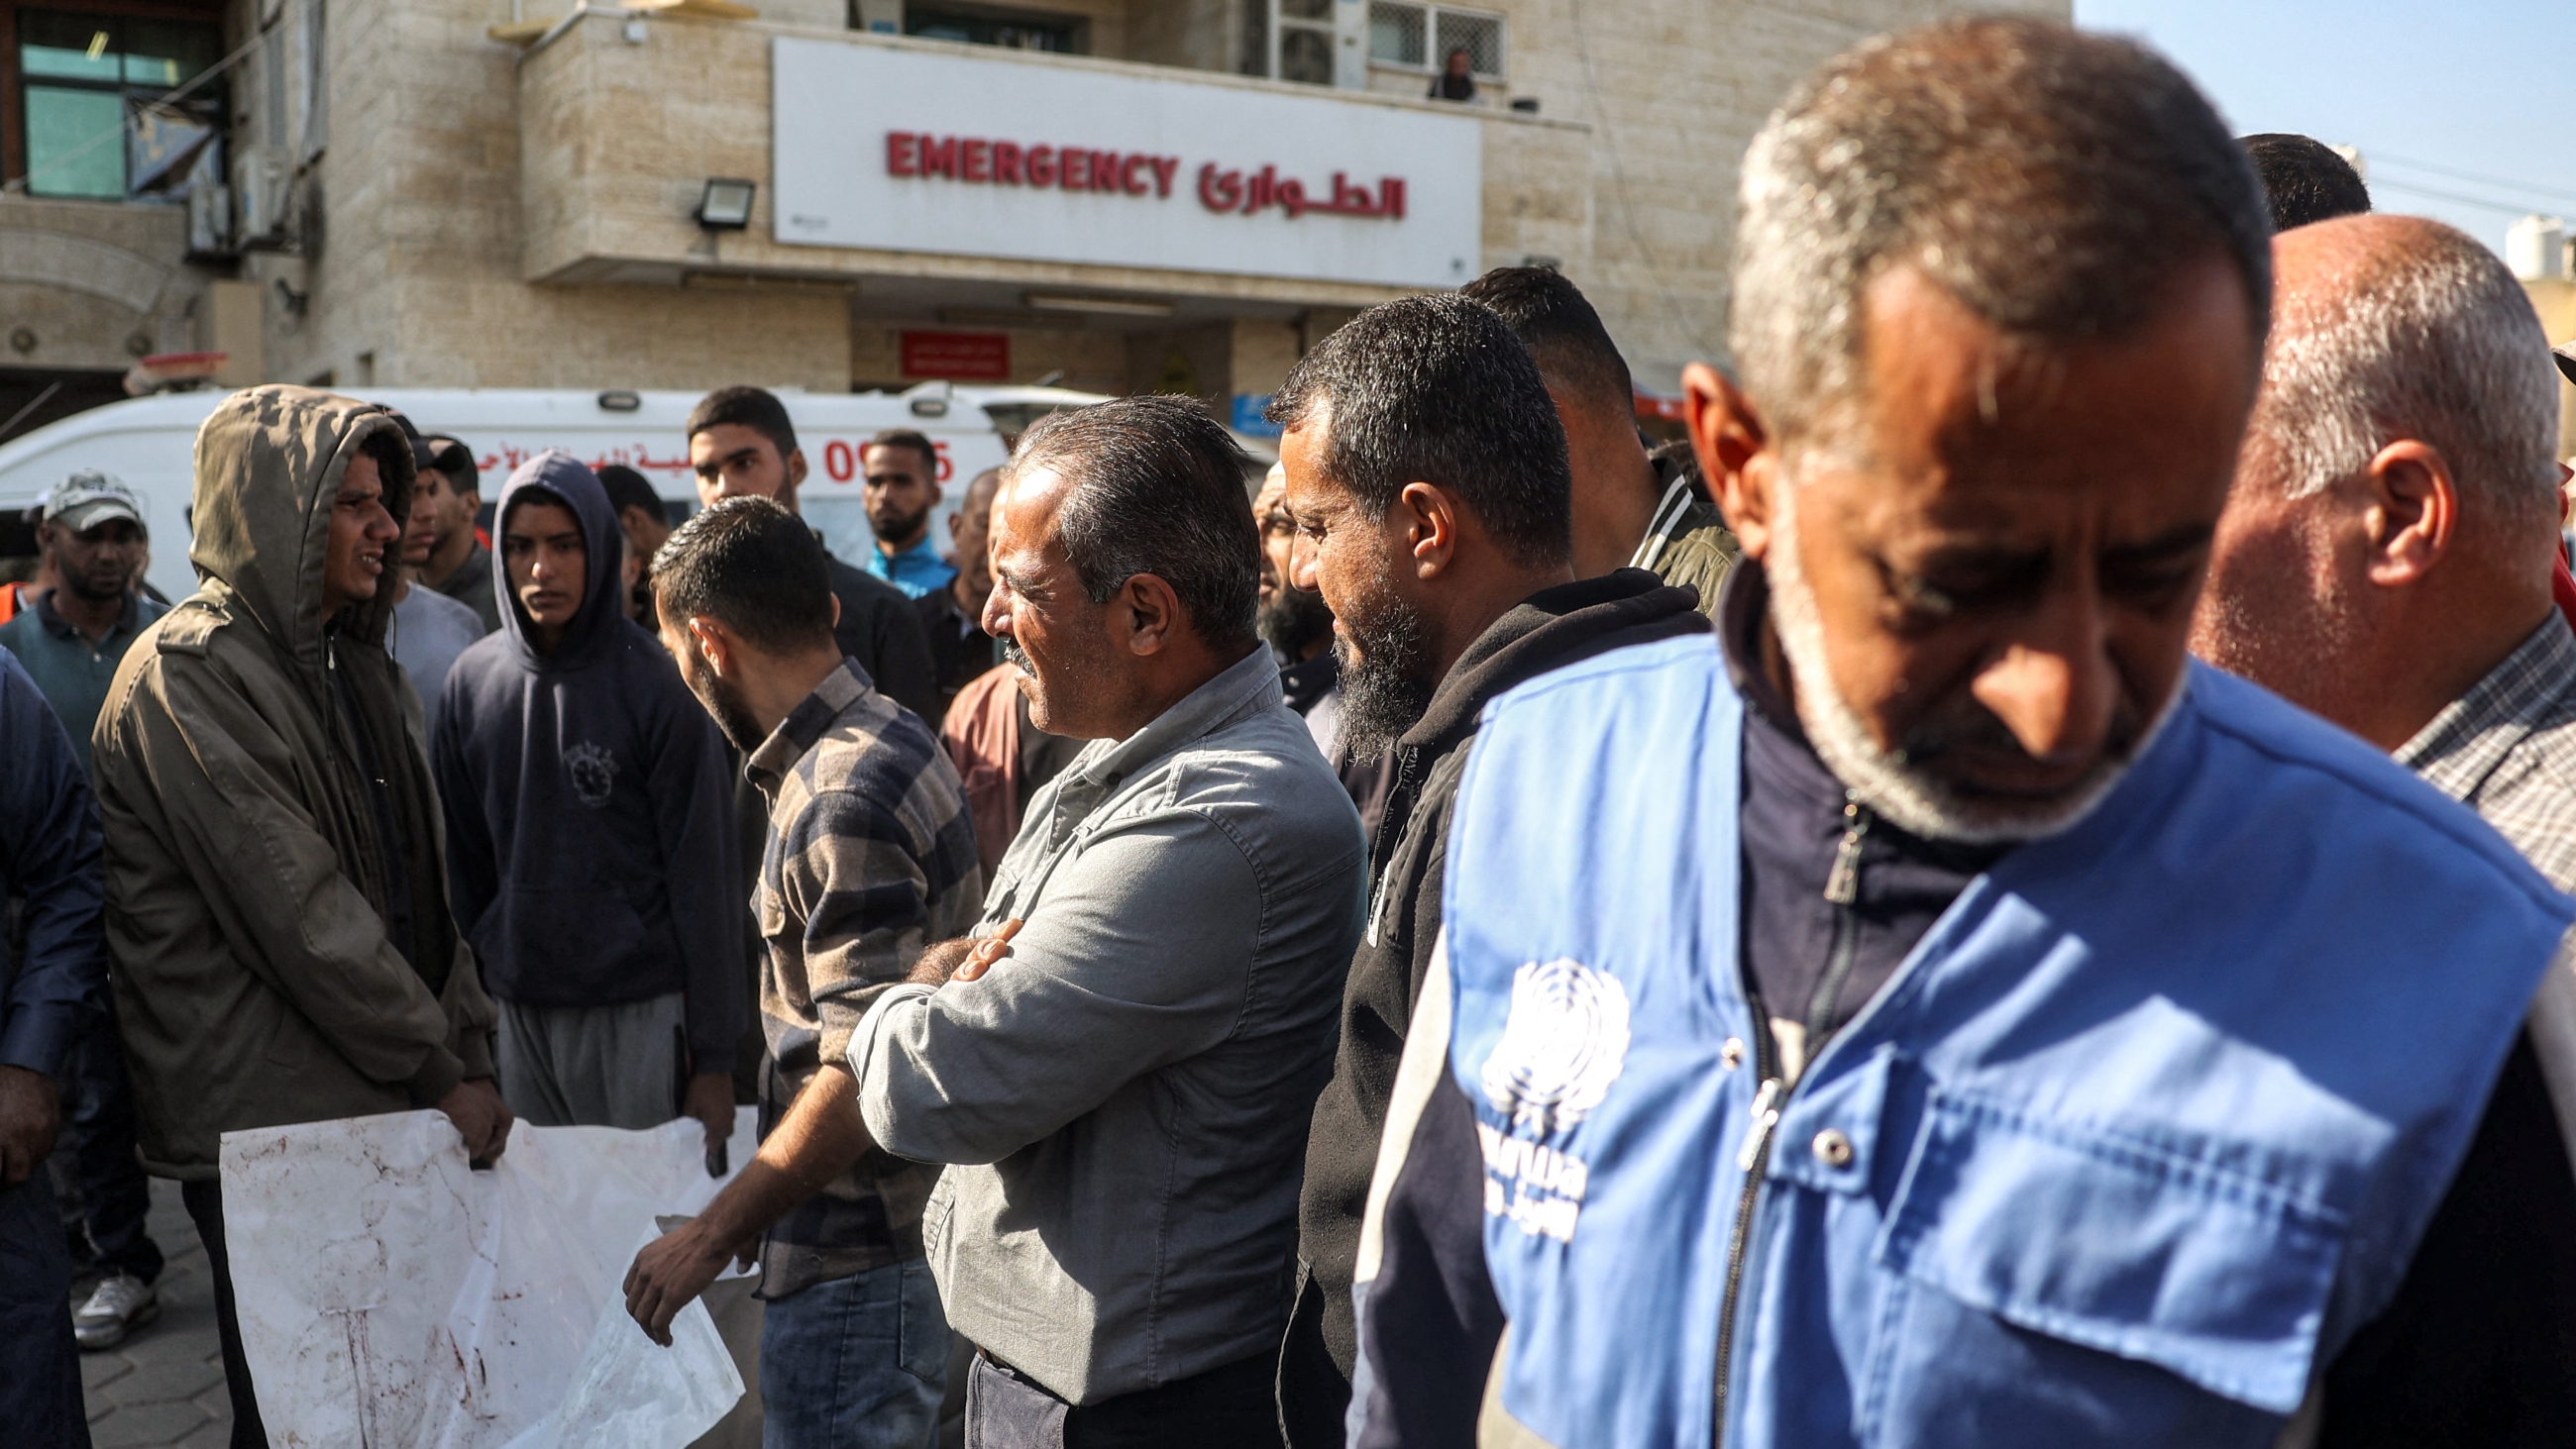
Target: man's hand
point(673, 1269)
point(481, 1119)
point(710, 1100)
point(964, 958)
point(30, 1116)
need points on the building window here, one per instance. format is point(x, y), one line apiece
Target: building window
point(1289, 39)
point(90, 105)
point(1420, 37)
point(989, 25)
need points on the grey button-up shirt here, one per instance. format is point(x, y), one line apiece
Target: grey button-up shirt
point(1124, 1098)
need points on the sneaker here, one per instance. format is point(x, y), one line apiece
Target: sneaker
point(117, 1307)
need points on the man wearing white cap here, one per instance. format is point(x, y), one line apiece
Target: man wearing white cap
point(70, 637)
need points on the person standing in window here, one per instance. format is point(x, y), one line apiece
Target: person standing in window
point(1454, 83)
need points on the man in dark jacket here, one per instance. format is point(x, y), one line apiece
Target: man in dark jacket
point(48, 859)
point(276, 898)
point(590, 832)
point(1428, 479)
point(1631, 507)
point(741, 442)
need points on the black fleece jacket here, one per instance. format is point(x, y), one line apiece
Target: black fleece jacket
point(1547, 631)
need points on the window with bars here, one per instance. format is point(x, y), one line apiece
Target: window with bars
point(1421, 37)
point(1289, 39)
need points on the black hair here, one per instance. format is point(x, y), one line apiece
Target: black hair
point(1436, 389)
point(455, 460)
point(1551, 317)
point(627, 489)
point(2304, 180)
point(1157, 488)
point(907, 438)
point(747, 407)
point(753, 566)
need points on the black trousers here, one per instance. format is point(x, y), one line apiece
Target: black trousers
point(40, 1382)
point(205, 1203)
point(1233, 1406)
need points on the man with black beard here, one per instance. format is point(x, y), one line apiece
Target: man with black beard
point(868, 859)
point(1299, 629)
point(1428, 479)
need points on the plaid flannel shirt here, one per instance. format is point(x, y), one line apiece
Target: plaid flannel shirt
point(870, 858)
point(2507, 749)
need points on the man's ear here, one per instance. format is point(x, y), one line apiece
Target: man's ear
point(2411, 510)
point(1150, 612)
point(1425, 522)
point(714, 643)
point(1734, 447)
point(795, 469)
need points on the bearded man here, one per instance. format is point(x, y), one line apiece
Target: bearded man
point(1977, 1024)
point(1433, 499)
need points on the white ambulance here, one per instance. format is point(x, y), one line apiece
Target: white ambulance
point(149, 442)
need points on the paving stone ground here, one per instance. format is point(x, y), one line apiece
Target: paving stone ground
point(165, 1383)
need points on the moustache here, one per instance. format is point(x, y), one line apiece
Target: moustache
point(1974, 729)
point(1014, 655)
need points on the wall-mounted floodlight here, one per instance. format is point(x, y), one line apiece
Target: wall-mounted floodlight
point(726, 204)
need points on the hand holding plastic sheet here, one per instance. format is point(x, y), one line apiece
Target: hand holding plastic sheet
point(391, 1296)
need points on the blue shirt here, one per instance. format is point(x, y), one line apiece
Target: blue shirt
point(71, 672)
point(49, 856)
point(916, 570)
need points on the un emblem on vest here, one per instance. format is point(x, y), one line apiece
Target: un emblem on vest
point(1563, 1044)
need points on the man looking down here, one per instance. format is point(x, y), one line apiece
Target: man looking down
point(1980, 1024)
point(868, 859)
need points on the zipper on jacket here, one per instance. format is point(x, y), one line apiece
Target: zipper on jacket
point(1842, 889)
point(1754, 1160)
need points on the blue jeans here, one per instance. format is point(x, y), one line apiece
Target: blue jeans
point(40, 1382)
point(856, 1363)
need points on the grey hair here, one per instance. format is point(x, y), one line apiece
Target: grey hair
point(2434, 340)
point(1157, 489)
point(2053, 182)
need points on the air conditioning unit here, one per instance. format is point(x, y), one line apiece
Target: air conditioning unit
point(210, 220)
point(262, 183)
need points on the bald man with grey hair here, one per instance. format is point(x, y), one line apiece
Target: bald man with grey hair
point(952, 614)
point(2384, 561)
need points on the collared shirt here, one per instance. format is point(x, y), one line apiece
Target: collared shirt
point(870, 858)
point(2507, 749)
point(1126, 1094)
point(72, 672)
point(915, 570)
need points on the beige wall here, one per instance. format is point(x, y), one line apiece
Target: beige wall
point(94, 285)
point(494, 223)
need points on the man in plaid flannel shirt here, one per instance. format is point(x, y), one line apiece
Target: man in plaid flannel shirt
point(2385, 561)
point(870, 859)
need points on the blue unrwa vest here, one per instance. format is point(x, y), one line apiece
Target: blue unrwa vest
point(2148, 1123)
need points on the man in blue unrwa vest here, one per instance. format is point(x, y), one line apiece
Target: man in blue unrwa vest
point(1934, 1011)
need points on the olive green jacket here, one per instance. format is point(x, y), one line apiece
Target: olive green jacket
point(247, 887)
point(1688, 541)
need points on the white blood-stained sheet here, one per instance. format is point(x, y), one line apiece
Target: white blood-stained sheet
point(391, 1297)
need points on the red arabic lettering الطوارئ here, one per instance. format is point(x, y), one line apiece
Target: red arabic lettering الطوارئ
point(1249, 193)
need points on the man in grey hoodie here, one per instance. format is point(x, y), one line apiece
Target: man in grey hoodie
point(589, 832)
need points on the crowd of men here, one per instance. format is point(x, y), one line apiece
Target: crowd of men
point(1494, 934)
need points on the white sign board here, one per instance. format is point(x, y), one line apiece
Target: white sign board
point(1002, 157)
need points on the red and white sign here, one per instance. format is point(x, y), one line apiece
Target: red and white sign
point(965, 356)
point(1005, 155)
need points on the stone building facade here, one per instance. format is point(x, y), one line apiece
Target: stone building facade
point(496, 193)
